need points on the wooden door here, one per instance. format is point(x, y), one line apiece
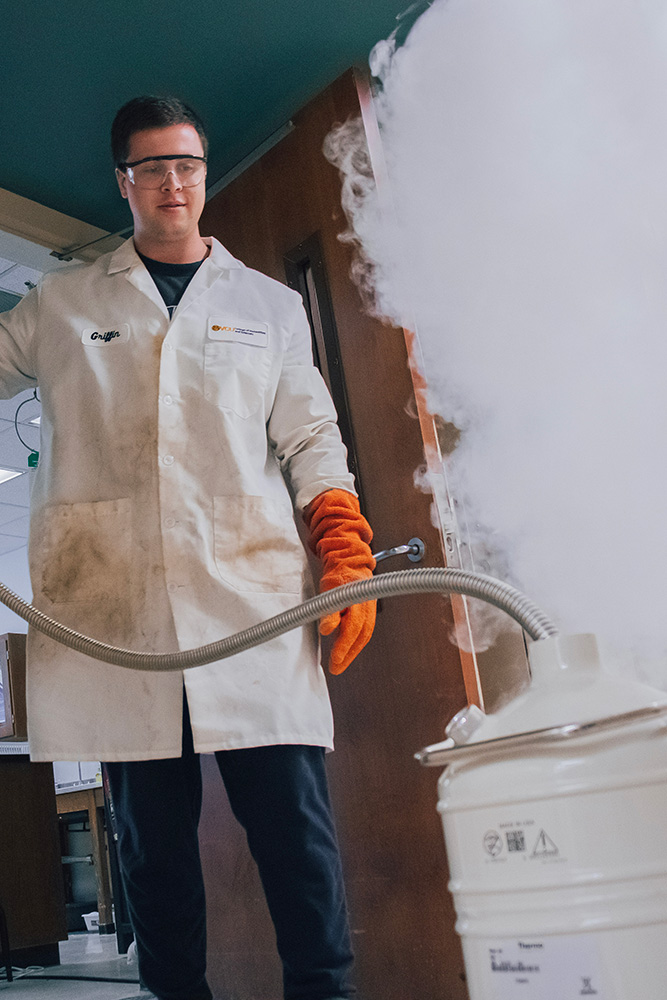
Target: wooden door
point(401, 691)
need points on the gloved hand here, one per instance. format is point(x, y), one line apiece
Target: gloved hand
point(340, 537)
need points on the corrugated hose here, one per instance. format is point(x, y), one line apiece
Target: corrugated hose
point(412, 581)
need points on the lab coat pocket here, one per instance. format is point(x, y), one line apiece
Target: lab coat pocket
point(235, 377)
point(257, 547)
point(87, 550)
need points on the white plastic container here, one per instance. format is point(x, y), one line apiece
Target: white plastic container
point(92, 921)
point(555, 820)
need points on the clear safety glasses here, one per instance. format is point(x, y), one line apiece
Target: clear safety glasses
point(151, 172)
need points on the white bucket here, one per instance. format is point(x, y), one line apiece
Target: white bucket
point(557, 839)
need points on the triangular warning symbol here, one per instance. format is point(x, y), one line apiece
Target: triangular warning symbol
point(545, 846)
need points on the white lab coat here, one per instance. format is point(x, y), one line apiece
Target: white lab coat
point(162, 517)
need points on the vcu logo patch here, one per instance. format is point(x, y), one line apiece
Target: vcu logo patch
point(100, 337)
point(251, 333)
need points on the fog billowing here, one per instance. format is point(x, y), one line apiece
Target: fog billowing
point(526, 143)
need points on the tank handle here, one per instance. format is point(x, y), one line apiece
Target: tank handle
point(444, 754)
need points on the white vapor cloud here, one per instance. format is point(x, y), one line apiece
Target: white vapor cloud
point(526, 145)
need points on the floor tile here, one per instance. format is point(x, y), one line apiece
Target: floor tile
point(82, 955)
point(54, 989)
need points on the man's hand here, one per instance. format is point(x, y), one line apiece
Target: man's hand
point(340, 537)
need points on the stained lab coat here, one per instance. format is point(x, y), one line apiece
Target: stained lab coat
point(172, 456)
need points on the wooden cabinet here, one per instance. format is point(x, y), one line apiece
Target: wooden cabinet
point(31, 882)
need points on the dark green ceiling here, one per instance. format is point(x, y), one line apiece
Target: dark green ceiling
point(247, 66)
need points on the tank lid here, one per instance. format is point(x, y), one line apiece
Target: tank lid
point(569, 688)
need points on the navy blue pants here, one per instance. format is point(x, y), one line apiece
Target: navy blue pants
point(279, 794)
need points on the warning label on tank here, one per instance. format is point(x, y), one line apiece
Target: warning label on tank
point(522, 839)
point(545, 846)
point(558, 967)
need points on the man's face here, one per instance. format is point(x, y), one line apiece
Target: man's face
point(170, 212)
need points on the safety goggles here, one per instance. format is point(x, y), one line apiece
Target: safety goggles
point(152, 171)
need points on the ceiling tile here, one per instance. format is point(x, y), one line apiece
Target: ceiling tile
point(19, 279)
point(8, 407)
point(16, 250)
point(11, 512)
point(16, 491)
point(18, 528)
point(9, 543)
point(14, 454)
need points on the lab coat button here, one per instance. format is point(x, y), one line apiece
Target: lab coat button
point(167, 400)
point(171, 587)
point(168, 460)
point(169, 522)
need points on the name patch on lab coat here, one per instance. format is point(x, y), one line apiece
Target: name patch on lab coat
point(253, 334)
point(105, 336)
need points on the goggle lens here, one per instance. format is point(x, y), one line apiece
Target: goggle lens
point(153, 173)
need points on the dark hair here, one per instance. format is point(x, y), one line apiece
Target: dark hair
point(151, 112)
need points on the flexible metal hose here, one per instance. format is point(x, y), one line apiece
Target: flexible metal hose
point(411, 581)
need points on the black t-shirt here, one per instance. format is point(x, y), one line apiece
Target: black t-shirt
point(171, 279)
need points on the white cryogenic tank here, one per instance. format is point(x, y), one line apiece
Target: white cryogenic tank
point(555, 820)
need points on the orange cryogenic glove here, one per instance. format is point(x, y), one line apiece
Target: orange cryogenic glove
point(340, 536)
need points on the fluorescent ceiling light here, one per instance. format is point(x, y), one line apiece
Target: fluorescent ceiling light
point(7, 474)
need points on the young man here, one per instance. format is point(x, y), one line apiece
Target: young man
point(182, 423)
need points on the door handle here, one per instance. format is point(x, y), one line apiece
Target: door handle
point(414, 550)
